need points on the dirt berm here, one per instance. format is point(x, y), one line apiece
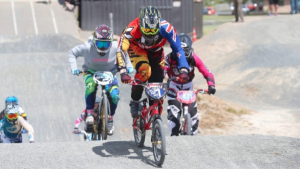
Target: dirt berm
point(255, 63)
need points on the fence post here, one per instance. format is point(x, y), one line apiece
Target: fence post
point(111, 22)
point(198, 17)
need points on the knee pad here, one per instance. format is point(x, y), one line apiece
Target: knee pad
point(173, 119)
point(90, 85)
point(143, 71)
point(115, 94)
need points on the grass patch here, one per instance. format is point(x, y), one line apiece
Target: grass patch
point(216, 21)
point(214, 113)
point(225, 18)
point(237, 112)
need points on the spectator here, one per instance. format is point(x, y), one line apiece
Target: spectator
point(294, 6)
point(273, 4)
point(238, 12)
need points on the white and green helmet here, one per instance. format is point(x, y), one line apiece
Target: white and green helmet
point(149, 22)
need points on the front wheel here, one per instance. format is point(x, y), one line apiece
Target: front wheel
point(139, 131)
point(158, 142)
point(104, 117)
point(187, 126)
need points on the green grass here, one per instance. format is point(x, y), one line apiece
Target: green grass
point(237, 112)
point(225, 18)
point(219, 20)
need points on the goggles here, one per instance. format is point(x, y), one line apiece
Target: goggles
point(102, 45)
point(149, 31)
point(187, 51)
point(12, 116)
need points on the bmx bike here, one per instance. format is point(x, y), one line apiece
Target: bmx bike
point(186, 97)
point(100, 127)
point(151, 116)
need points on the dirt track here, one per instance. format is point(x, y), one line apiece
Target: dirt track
point(38, 73)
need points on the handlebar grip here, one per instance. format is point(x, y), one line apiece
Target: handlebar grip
point(203, 91)
point(81, 72)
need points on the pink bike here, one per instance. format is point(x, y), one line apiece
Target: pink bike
point(186, 97)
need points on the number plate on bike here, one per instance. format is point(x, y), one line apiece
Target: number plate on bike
point(155, 90)
point(186, 96)
point(103, 78)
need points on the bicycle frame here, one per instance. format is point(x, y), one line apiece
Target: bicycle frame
point(146, 112)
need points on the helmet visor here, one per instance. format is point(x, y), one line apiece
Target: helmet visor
point(149, 31)
point(10, 105)
point(102, 45)
point(12, 116)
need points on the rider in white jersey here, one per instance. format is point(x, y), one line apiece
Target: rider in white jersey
point(99, 54)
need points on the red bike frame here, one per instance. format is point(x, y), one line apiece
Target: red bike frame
point(154, 109)
point(145, 113)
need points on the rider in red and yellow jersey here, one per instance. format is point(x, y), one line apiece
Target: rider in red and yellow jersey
point(143, 39)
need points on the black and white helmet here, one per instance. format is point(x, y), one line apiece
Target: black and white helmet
point(186, 44)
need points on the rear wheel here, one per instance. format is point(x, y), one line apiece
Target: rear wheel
point(187, 126)
point(158, 142)
point(139, 133)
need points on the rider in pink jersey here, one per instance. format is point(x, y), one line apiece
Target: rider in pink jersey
point(174, 106)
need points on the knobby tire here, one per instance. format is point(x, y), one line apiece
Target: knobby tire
point(159, 142)
point(139, 135)
point(187, 127)
point(104, 117)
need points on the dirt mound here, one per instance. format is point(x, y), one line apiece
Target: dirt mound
point(255, 63)
point(38, 43)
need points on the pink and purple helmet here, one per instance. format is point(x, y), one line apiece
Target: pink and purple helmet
point(102, 39)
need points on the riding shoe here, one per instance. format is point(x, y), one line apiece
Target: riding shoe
point(111, 127)
point(89, 123)
point(134, 108)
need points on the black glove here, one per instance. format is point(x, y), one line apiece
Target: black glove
point(76, 131)
point(183, 77)
point(125, 78)
point(211, 89)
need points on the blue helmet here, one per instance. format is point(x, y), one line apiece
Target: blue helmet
point(11, 100)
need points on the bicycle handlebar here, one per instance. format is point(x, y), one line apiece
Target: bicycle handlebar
point(203, 91)
point(144, 84)
point(81, 73)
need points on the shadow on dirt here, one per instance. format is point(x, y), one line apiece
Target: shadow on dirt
point(126, 149)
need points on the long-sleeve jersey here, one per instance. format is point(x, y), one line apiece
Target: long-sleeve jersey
point(132, 35)
point(13, 131)
point(93, 60)
point(81, 118)
point(172, 70)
